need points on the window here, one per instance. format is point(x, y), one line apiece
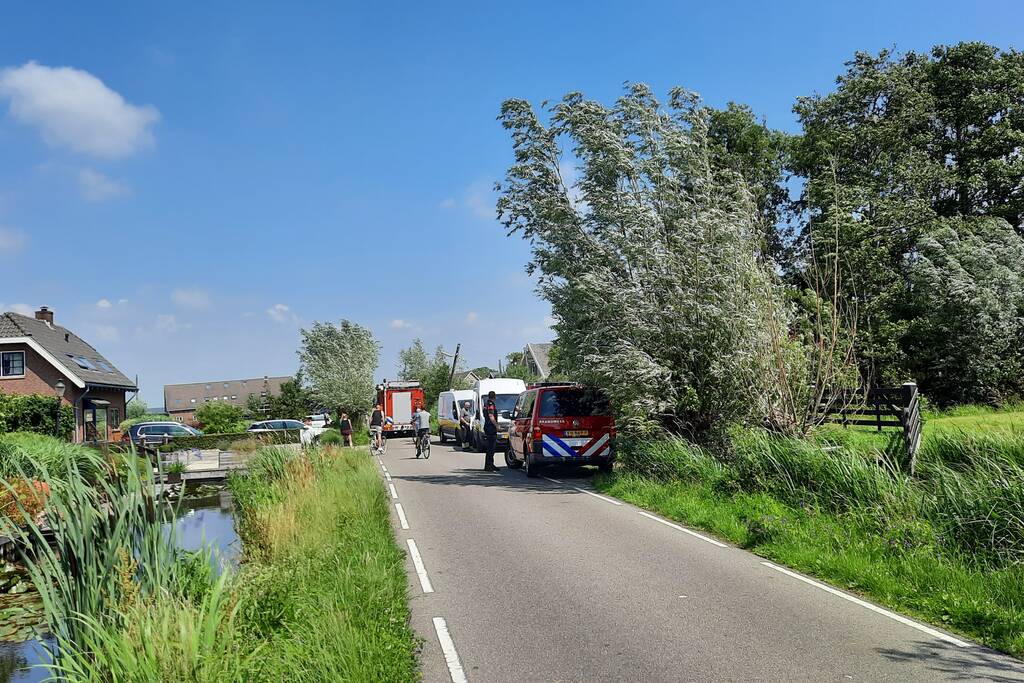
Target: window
point(191, 400)
point(12, 364)
point(115, 417)
point(233, 397)
point(573, 403)
point(225, 385)
point(207, 386)
point(104, 365)
point(225, 398)
point(82, 362)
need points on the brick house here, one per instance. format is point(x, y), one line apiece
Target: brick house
point(35, 353)
point(182, 400)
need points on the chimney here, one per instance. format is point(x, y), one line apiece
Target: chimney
point(45, 314)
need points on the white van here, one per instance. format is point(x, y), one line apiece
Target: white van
point(449, 405)
point(506, 393)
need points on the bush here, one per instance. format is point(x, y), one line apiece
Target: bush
point(34, 413)
point(225, 442)
point(37, 456)
point(330, 437)
point(221, 418)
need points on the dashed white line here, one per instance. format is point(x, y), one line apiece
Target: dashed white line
point(680, 528)
point(401, 516)
point(394, 493)
point(387, 476)
point(874, 608)
point(451, 657)
point(421, 571)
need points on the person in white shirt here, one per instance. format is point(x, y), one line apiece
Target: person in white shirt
point(421, 418)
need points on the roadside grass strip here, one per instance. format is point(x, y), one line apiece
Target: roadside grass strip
point(451, 656)
point(867, 605)
point(421, 570)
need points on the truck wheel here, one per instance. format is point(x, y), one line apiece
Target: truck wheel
point(532, 468)
point(510, 459)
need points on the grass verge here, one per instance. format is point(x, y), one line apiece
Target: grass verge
point(323, 590)
point(945, 547)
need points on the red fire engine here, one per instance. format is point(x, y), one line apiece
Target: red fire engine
point(398, 400)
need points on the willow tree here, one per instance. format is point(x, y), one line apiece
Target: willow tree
point(339, 361)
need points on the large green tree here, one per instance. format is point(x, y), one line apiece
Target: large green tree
point(339, 362)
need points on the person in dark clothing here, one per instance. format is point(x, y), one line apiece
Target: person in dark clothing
point(345, 425)
point(377, 426)
point(490, 431)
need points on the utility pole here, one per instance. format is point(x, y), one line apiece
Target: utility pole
point(455, 360)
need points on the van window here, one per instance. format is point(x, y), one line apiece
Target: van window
point(529, 399)
point(574, 403)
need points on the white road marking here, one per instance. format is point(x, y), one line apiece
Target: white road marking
point(550, 479)
point(385, 469)
point(680, 528)
point(595, 495)
point(401, 516)
point(421, 571)
point(394, 493)
point(387, 476)
point(451, 657)
point(874, 608)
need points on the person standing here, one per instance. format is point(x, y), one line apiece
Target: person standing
point(345, 424)
point(465, 422)
point(490, 431)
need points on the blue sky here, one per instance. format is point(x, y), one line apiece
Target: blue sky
point(188, 184)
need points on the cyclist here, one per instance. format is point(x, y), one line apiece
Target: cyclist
point(422, 421)
point(376, 426)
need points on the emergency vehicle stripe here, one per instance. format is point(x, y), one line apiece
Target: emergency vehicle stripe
point(597, 446)
point(558, 447)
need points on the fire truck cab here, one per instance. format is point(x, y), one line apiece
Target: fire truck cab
point(398, 400)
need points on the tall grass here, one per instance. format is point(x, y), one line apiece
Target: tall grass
point(35, 456)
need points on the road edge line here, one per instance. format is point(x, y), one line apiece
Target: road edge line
point(394, 493)
point(401, 516)
point(681, 528)
point(417, 562)
point(935, 633)
point(451, 655)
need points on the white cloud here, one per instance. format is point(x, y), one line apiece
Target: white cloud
point(399, 324)
point(103, 303)
point(107, 333)
point(166, 322)
point(11, 241)
point(24, 309)
point(472, 317)
point(480, 200)
point(192, 298)
point(448, 203)
point(122, 302)
point(73, 108)
point(280, 313)
point(96, 187)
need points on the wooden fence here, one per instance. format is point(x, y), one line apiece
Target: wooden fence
point(880, 408)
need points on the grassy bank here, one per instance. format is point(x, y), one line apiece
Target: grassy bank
point(946, 546)
point(321, 597)
point(323, 589)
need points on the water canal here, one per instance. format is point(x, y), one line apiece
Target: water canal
point(204, 519)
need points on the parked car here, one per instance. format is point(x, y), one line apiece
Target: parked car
point(154, 433)
point(449, 406)
point(506, 391)
point(273, 426)
point(319, 420)
point(564, 424)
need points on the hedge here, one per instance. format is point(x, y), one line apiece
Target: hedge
point(224, 441)
point(34, 413)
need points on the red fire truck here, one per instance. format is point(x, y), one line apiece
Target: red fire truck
point(398, 400)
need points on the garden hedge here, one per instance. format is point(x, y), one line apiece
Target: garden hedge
point(224, 441)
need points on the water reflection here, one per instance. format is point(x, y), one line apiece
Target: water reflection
point(203, 520)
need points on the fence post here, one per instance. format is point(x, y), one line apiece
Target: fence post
point(911, 419)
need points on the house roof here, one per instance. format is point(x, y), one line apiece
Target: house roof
point(179, 397)
point(541, 354)
point(60, 346)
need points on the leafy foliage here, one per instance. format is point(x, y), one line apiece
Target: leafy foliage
point(136, 408)
point(35, 413)
point(217, 417)
point(431, 373)
point(340, 362)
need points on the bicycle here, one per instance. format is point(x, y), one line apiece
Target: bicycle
point(378, 450)
point(423, 445)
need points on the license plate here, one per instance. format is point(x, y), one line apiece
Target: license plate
point(578, 432)
point(503, 435)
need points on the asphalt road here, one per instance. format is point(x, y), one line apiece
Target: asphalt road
point(539, 580)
